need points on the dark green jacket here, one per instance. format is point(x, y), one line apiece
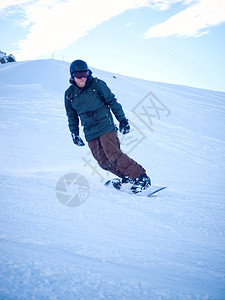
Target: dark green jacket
point(93, 107)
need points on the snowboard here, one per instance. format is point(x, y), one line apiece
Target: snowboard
point(149, 192)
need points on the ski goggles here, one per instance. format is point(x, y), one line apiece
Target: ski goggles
point(81, 74)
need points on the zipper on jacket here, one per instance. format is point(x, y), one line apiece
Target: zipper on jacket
point(110, 121)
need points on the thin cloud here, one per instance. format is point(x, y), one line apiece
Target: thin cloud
point(165, 4)
point(194, 21)
point(4, 4)
point(54, 25)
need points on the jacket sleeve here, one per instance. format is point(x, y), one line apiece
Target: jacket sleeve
point(111, 101)
point(73, 120)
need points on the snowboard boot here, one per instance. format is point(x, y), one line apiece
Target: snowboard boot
point(127, 179)
point(140, 183)
point(117, 182)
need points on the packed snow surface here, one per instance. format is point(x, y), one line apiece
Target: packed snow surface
point(113, 245)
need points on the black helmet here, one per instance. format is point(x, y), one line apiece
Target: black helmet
point(78, 66)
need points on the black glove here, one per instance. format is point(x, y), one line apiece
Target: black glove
point(124, 126)
point(77, 140)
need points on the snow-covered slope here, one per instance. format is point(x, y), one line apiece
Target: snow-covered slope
point(114, 245)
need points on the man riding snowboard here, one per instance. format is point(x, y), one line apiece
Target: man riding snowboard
point(90, 100)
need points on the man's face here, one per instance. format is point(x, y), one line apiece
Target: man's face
point(80, 78)
point(80, 81)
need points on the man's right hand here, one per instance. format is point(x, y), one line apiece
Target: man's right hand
point(124, 126)
point(77, 140)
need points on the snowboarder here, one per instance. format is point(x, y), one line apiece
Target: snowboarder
point(90, 100)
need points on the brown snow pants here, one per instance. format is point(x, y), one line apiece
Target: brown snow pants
point(106, 150)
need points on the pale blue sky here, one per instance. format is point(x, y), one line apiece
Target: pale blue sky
point(180, 42)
